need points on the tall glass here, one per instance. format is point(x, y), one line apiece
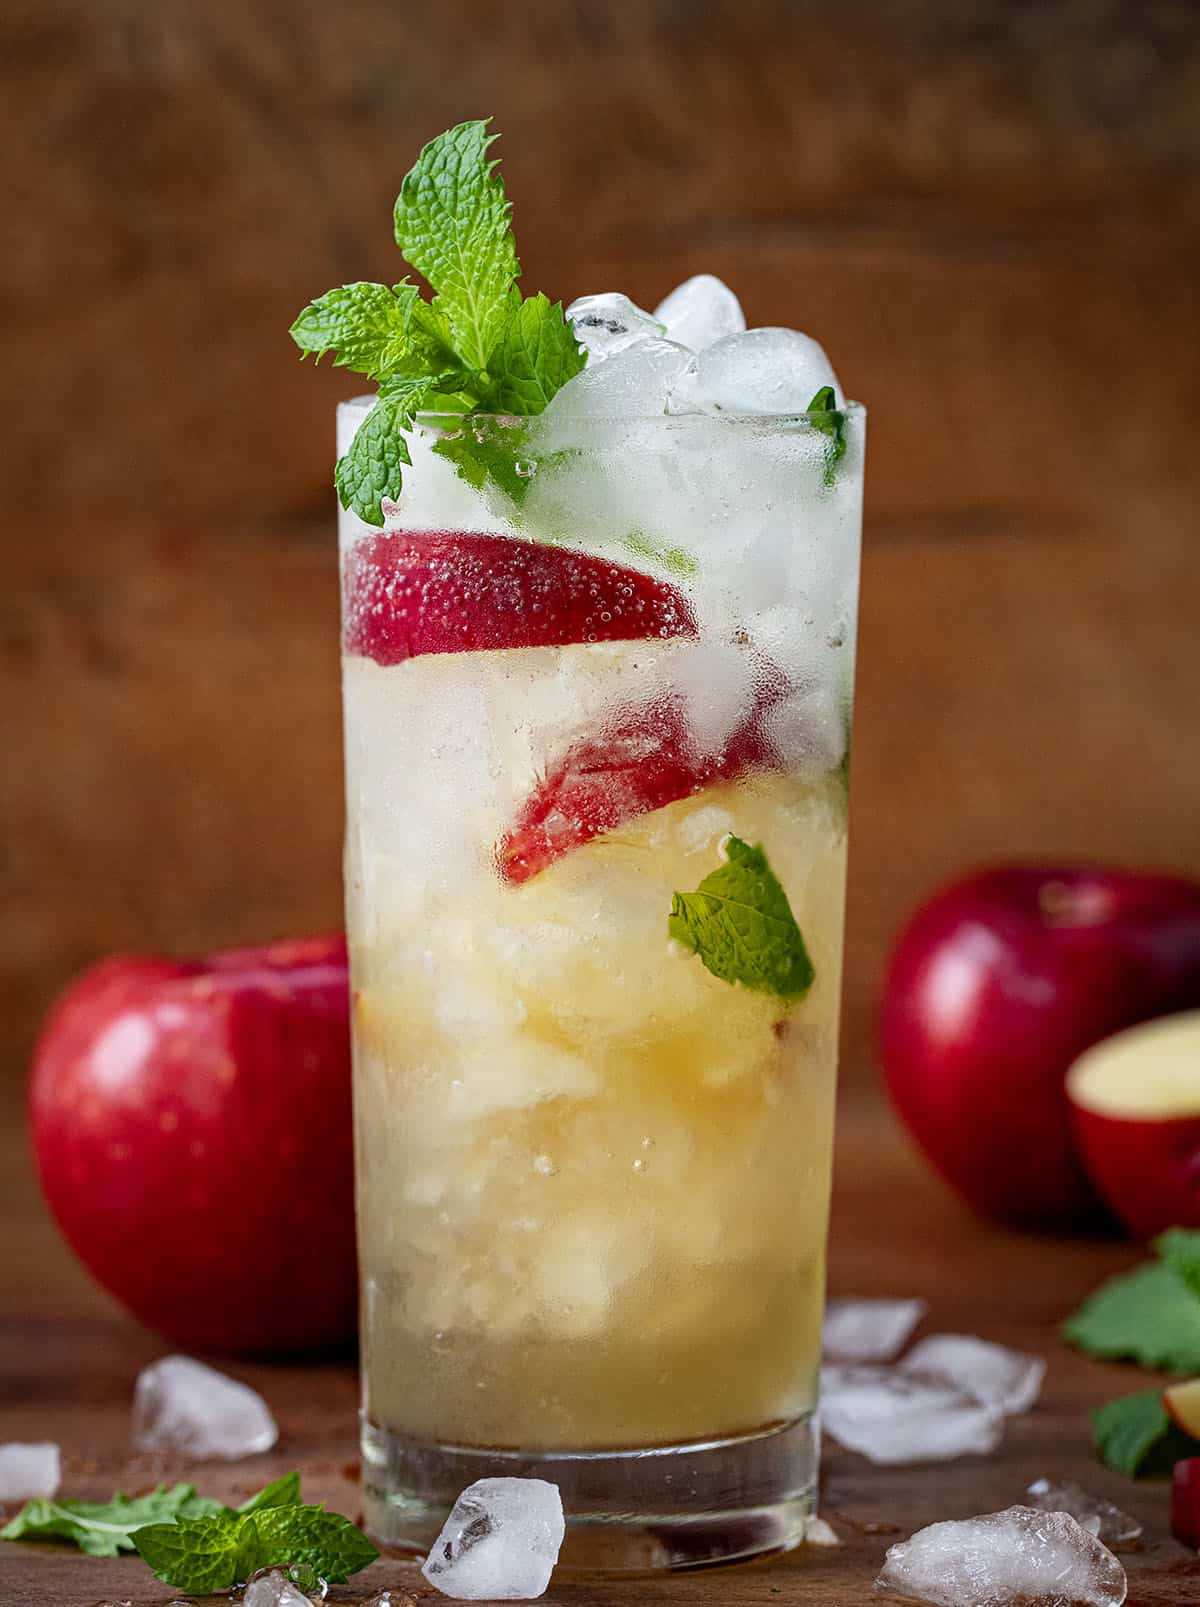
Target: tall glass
point(585, 661)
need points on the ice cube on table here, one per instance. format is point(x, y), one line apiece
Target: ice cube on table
point(606, 324)
point(29, 1471)
point(819, 1533)
point(273, 1588)
point(700, 311)
point(182, 1405)
point(1006, 1379)
point(635, 382)
point(500, 1543)
point(1116, 1529)
point(871, 1330)
point(758, 371)
point(1020, 1556)
point(894, 1418)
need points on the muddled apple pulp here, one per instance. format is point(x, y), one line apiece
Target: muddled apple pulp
point(593, 1177)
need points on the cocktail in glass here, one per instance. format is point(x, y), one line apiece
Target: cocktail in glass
point(594, 1086)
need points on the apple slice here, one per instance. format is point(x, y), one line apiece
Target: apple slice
point(1135, 1102)
point(1182, 1402)
point(1185, 1502)
point(446, 591)
point(645, 759)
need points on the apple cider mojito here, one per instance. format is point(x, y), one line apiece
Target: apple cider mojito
point(599, 576)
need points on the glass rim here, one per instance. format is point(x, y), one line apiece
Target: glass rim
point(848, 410)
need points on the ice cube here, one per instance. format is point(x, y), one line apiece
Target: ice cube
point(819, 1533)
point(1116, 1529)
point(635, 382)
point(894, 1418)
point(606, 324)
point(869, 1330)
point(500, 1543)
point(28, 1471)
point(391, 1598)
point(1019, 1556)
point(1006, 1379)
point(182, 1405)
point(757, 371)
point(272, 1588)
point(700, 311)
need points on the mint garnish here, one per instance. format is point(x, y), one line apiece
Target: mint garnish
point(214, 1553)
point(106, 1528)
point(740, 924)
point(477, 346)
point(1150, 1316)
point(1134, 1435)
point(825, 416)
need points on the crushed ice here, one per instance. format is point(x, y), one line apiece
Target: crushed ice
point(1116, 1529)
point(1006, 1379)
point(870, 1329)
point(500, 1543)
point(894, 1417)
point(700, 311)
point(273, 1588)
point(1019, 1556)
point(755, 371)
point(182, 1405)
point(29, 1471)
point(610, 323)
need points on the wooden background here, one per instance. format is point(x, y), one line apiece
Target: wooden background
point(987, 210)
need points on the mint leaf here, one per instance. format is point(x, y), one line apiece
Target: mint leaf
point(1179, 1249)
point(373, 467)
point(452, 224)
point(327, 1542)
point(825, 416)
point(365, 326)
point(537, 354)
point(218, 1552)
point(1134, 1435)
point(284, 1492)
point(1149, 1316)
point(202, 1555)
point(106, 1528)
point(741, 925)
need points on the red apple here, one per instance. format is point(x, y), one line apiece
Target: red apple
point(1185, 1502)
point(1136, 1103)
point(191, 1123)
point(994, 988)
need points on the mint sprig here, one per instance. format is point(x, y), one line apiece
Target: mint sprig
point(477, 346)
point(825, 415)
point(740, 924)
point(1150, 1315)
point(209, 1554)
point(1135, 1435)
point(106, 1528)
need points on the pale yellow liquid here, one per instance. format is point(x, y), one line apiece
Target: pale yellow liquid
point(593, 1178)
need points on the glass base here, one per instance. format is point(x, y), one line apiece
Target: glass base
point(674, 1506)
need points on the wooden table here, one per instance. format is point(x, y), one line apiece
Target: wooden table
point(68, 1359)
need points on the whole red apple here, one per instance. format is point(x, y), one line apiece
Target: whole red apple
point(192, 1127)
point(994, 988)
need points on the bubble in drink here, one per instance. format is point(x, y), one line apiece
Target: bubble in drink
point(700, 311)
point(1018, 1556)
point(758, 371)
point(500, 1543)
point(182, 1405)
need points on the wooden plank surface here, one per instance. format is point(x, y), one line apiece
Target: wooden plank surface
point(68, 1360)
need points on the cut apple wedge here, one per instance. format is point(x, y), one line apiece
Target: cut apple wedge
point(1135, 1101)
point(1182, 1402)
point(442, 591)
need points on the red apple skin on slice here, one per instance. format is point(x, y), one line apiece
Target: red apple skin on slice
point(1185, 1502)
point(192, 1129)
point(645, 759)
point(994, 988)
point(1135, 1102)
point(462, 592)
